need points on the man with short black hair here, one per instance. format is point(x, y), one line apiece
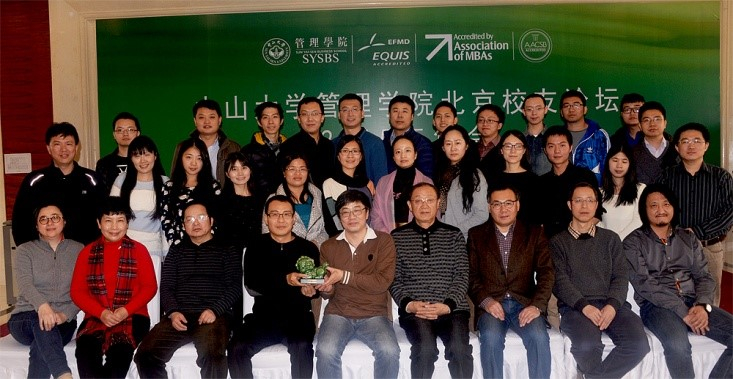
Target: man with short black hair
point(430, 284)
point(489, 121)
point(351, 116)
point(590, 142)
point(629, 133)
point(264, 148)
point(125, 128)
point(706, 196)
point(207, 118)
point(591, 282)
point(282, 309)
point(310, 142)
point(361, 269)
point(77, 190)
point(534, 110)
point(200, 282)
point(401, 116)
point(654, 153)
point(674, 288)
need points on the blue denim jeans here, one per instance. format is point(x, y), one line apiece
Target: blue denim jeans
point(672, 333)
point(626, 331)
point(47, 357)
point(492, 335)
point(376, 332)
point(453, 330)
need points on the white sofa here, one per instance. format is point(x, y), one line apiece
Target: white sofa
point(274, 361)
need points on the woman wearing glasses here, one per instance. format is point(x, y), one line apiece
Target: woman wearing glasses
point(351, 174)
point(190, 180)
point(517, 174)
point(44, 317)
point(311, 219)
point(390, 208)
point(462, 186)
point(142, 187)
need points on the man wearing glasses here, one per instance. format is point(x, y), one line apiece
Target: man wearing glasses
point(590, 142)
point(489, 121)
point(431, 280)
point(591, 283)
point(628, 134)
point(200, 283)
point(309, 141)
point(351, 116)
point(510, 282)
point(655, 153)
point(125, 128)
point(361, 269)
point(705, 193)
point(282, 309)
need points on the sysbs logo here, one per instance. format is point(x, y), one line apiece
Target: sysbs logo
point(276, 51)
point(535, 45)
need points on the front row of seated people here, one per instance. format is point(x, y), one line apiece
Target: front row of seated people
point(507, 268)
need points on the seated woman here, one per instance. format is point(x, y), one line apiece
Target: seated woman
point(311, 214)
point(350, 174)
point(44, 316)
point(141, 185)
point(239, 221)
point(192, 180)
point(621, 191)
point(113, 282)
point(463, 188)
point(517, 174)
point(390, 208)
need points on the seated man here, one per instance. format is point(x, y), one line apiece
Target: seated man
point(674, 288)
point(361, 269)
point(591, 282)
point(510, 283)
point(200, 281)
point(281, 313)
point(431, 280)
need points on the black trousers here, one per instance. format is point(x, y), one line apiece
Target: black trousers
point(117, 359)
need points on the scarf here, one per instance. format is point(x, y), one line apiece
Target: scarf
point(274, 146)
point(126, 275)
point(401, 187)
point(445, 180)
point(359, 180)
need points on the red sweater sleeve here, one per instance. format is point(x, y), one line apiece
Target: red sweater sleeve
point(146, 285)
point(80, 290)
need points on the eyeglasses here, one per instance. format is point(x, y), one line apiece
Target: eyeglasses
point(125, 130)
point(310, 114)
point(534, 109)
point(691, 141)
point(293, 170)
point(283, 215)
point(349, 110)
point(356, 212)
point(502, 204)
point(587, 200)
point(351, 152)
point(487, 121)
point(54, 219)
point(655, 119)
point(573, 105)
point(424, 200)
point(513, 146)
point(629, 110)
point(200, 218)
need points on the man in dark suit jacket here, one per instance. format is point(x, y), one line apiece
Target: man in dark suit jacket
point(505, 256)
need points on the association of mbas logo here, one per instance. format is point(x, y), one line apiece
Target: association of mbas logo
point(535, 45)
point(276, 51)
point(467, 47)
point(392, 51)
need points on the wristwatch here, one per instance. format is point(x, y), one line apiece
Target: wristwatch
point(707, 307)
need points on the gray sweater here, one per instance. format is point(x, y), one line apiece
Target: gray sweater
point(44, 276)
point(589, 269)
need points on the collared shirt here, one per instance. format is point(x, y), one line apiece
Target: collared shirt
point(484, 149)
point(576, 234)
point(505, 244)
point(370, 235)
point(214, 156)
point(653, 150)
point(705, 199)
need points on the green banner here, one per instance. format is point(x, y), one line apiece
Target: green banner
point(157, 68)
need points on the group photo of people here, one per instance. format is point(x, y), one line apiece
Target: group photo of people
point(547, 225)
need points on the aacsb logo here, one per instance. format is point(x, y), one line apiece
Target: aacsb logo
point(535, 45)
point(276, 51)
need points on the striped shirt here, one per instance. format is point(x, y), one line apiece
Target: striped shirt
point(705, 199)
point(432, 265)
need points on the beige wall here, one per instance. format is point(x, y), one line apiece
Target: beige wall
point(73, 53)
